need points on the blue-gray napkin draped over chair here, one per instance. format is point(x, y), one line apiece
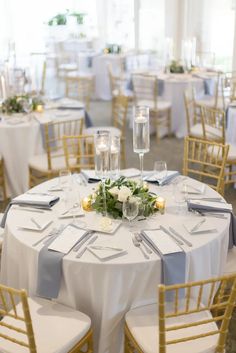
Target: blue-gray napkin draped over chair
point(160, 88)
point(232, 227)
point(209, 86)
point(49, 272)
point(173, 266)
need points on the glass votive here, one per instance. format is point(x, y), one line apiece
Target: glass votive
point(160, 204)
point(39, 108)
point(87, 204)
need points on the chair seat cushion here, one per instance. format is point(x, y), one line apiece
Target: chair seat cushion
point(196, 130)
point(40, 162)
point(209, 101)
point(161, 104)
point(143, 324)
point(93, 130)
point(57, 328)
point(68, 67)
point(231, 155)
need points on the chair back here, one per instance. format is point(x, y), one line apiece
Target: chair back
point(213, 124)
point(145, 89)
point(2, 179)
point(14, 307)
point(79, 152)
point(120, 110)
point(116, 81)
point(229, 85)
point(203, 293)
point(53, 134)
point(192, 118)
point(205, 160)
point(80, 88)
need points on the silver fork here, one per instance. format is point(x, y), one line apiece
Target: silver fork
point(140, 240)
point(52, 232)
point(138, 245)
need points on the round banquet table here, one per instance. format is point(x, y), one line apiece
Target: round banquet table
point(107, 290)
point(20, 139)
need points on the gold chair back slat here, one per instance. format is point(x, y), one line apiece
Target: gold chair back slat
point(192, 115)
point(205, 290)
point(16, 307)
point(205, 160)
point(213, 124)
point(80, 88)
point(79, 152)
point(145, 88)
point(2, 179)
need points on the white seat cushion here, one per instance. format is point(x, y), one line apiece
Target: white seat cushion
point(209, 101)
point(57, 328)
point(143, 324)
point(196, 130)
point(231, 261)
point(93, 130)
point(161, 105)
point(40, 163)
point(68, 67)
point(231, 155)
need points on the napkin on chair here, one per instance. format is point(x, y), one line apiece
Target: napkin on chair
point(50, 260)
point(35, 200)
point(172, 256)
point(206, 206)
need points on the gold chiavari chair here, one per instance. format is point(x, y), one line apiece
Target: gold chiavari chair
point(48, 165)
point(120, 112)
point(146, 93)
point(2, 179)
point(205, 160)
point(185, 324)
point(80, 87)
point(213, 123)
point(79, 152)
point(193, 118)
point(36, 325)
point(229, 86)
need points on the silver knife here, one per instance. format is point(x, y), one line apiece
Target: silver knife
point(179, 242)
point(91, 241)
point(180, 236)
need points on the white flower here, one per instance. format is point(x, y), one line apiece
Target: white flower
point(114, 191)
point(124, 193)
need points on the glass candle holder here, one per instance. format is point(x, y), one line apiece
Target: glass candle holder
point(160, 204)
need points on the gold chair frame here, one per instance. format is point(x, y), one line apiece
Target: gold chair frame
point(53, 136)
point(84, 86)
point(161, 117)
point(222, 306)
point(2, 180)
point(79, 148)
point(206, 160)
point(192, 115)
point(10, 299)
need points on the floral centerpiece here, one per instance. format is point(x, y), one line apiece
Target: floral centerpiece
point(118, 191)
point(21, 104)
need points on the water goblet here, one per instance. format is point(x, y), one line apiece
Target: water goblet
point(65, 181)
point(130, 208)
point(160, 169)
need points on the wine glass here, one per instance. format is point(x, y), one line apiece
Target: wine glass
point(141, 135)
point(115, 157)
point(130, 208)
point(102, 159)
point(180, 195)
point(160, 169)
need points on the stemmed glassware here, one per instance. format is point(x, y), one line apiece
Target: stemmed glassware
point(65, 181)
point(131, 208)
point(160, 169)
point(141, 135)
point(115, 157)
point(102, 160)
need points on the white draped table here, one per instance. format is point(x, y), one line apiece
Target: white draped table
point(107, 290)
point(20, 139)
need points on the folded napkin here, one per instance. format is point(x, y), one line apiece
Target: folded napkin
point(153, 177)
point(105, 251)
point(35, 200)
point(216, 207)
point(199, 226)
point(50, 260)
point(172, 256)
point(91, 176)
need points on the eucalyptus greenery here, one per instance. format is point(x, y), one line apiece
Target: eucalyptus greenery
point(20, 104)
point(114, 206)
point(61, 18)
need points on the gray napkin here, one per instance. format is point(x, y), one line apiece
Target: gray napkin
point(50, 269)
point(173, 267)
point(232, 227)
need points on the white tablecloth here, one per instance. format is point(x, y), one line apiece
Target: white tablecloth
point(107, 290)
point(231, 126)
point(18, 143)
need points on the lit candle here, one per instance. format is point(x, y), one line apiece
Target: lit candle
point(160, 204)
point(39, 108)
point(87, 204)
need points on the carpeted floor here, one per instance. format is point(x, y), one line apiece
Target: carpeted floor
point(168, 149)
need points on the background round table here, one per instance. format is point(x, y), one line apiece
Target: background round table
point(107, 290)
